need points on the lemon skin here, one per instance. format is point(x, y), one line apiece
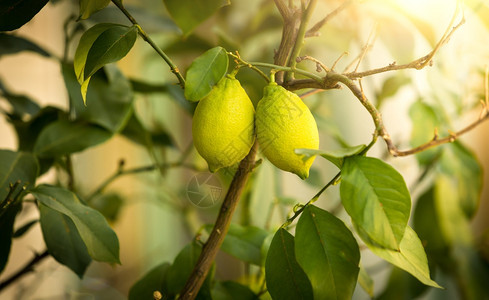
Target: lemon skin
point(284, 123)
point(223, 124)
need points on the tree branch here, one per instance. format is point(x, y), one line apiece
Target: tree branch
point(314, 30)
point(29, 267)
point(381, 131)
point(121, 172)
point(220, 229)
point(418, 64)
point(174, 69)
point(289, 33)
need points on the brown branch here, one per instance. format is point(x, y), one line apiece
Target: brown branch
point(29, 267)
point(289, 35)
point(314, 30)
point(453, 135)
point(283, 9)
point(211, 247)
point(381, 131)
point(435, 141)
point(416, 64)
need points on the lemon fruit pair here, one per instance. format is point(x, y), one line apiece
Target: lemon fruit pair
point(224, 123)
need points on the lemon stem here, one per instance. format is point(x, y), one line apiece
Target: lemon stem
point(272, 75)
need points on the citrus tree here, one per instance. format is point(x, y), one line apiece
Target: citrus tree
point(258, 82)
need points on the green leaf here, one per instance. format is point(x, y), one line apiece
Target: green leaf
point(16, 166)
point(150, 282)
point(65, 137)
point(86, 42)
point(12, 44)
point(181, 269)
point(187, 14)
point(205, 72)
point(410, 257)
point(231, 290)
point(327, 251)
point(110, 46)
point(465, 171)
point(285, 278)
point(7, 220)
point(376, 197)
point(335, 156)
point(425, 122)
point(15, 13)
point(102, 44)
point(244, 243)
point(63, 240)
point(366, 282)
point(24, 229)
point(101, 241)
point(89, 7)
point(110, 98)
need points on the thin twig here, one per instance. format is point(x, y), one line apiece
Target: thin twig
point(29, 267)
point(122, 172)
point(368, 46)
point(314, 30)
point(338, 60)
point(297, 212)
point(174, 69)
point(276, 67)
point(319, 64)
point(241, 63)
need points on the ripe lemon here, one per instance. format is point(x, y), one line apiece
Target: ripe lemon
point(223, 124)
point(284, 123)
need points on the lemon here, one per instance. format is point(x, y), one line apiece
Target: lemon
point(223, 124)
point(284, 123)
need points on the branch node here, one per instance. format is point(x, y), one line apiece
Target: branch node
point(435, 135)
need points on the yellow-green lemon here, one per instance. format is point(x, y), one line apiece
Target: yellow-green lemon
point(284, 123)
point(223, 124)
